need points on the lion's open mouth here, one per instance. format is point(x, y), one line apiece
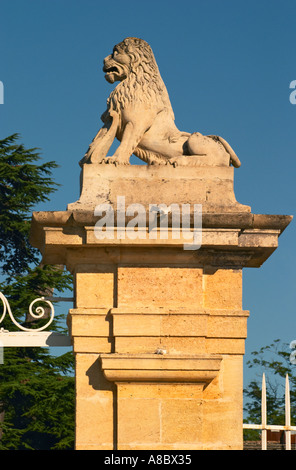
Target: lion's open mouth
point(110, 70)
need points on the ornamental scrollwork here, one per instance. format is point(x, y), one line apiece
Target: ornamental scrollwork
point(37, 312)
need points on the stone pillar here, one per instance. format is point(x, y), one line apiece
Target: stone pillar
point(158, 331)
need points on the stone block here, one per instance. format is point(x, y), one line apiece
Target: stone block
point(161, 416)
point(210, 186)
point(95, 289)
point(222, 288)
point(159, 286)
point(95, 405)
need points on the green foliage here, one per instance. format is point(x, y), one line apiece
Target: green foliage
point(274, 361)
point(36, 395)
point(23, 184)
point(36, 388)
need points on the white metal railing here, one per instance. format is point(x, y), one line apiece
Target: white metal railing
point(33, 336)
point(38, 314)
point(264, 427)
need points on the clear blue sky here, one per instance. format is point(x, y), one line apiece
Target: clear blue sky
point(227, 66)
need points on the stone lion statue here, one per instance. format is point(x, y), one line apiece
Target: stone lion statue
point(139, 114)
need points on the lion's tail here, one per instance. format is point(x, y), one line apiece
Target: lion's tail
point(233, 157)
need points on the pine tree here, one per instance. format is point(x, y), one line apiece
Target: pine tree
point(36, 388)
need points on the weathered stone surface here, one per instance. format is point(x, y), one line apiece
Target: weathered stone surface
point(224, 242)
point(140, 115)
point(175, 416)
point(149, 286)
point(160, 368)
point(142, 184)
point(158, 331)
point(94, 405)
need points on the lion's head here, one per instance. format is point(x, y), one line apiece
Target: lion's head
point(133, 64)
point(127, 56)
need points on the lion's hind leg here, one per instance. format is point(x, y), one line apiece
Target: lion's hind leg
point(188, 160)
point(210, 150)
point(149, 157)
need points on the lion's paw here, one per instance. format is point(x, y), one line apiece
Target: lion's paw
point(173, 162)
point(109, 161)
point(114, 161)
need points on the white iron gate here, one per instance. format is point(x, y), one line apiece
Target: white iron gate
point(264, 427)
point(31, 337)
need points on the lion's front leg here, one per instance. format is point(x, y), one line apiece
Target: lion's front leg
point(130, 139)
point(102, 142)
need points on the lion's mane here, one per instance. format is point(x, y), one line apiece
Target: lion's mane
point(144, 82)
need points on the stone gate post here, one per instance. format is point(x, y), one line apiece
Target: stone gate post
point(158, 331)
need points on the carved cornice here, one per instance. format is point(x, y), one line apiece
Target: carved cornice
point(160, 368)
point(232, 240)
